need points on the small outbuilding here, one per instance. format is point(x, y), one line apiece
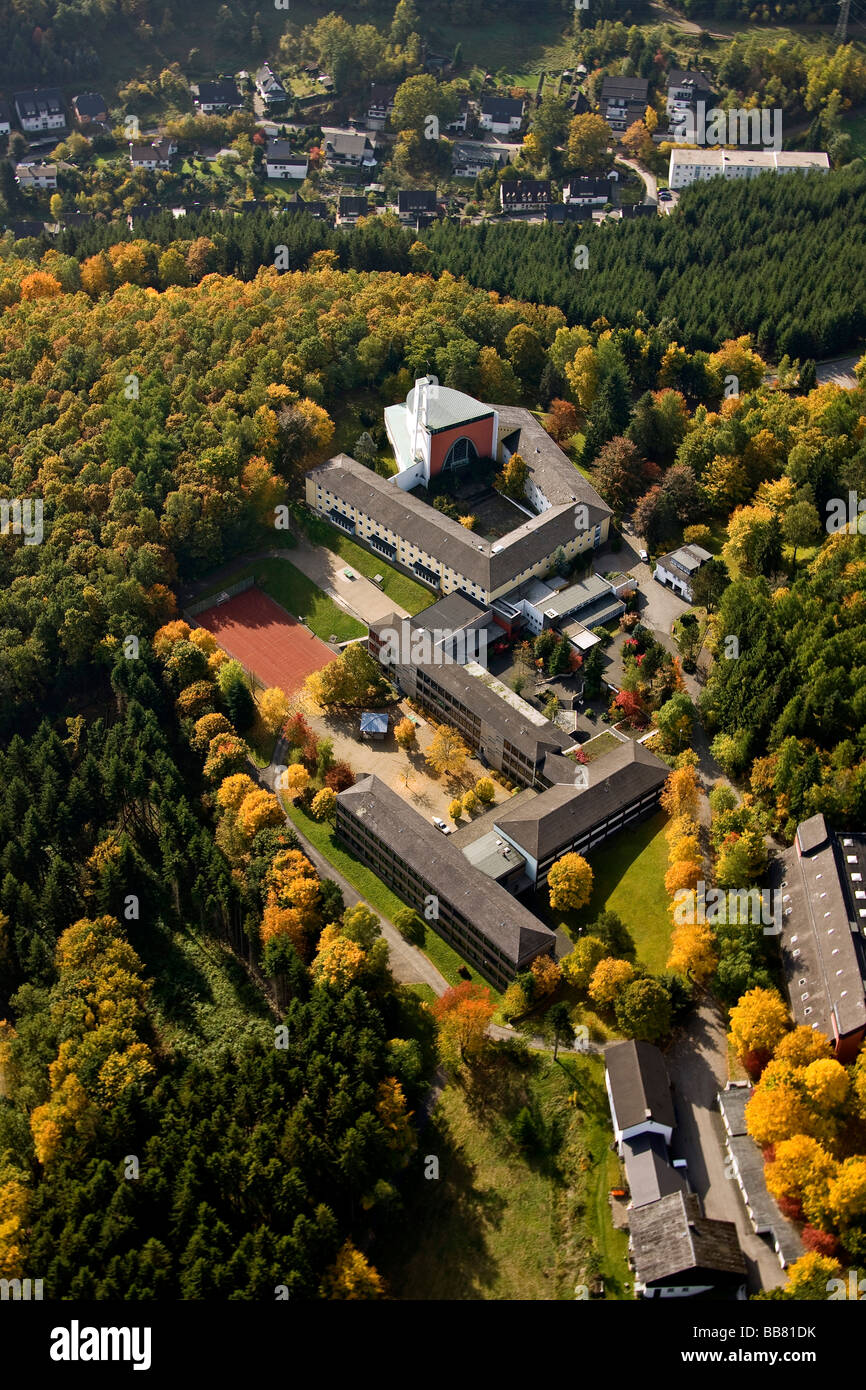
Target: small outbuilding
point(374, 724)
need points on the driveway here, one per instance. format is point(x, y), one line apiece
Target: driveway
point(359, 596)
point(698, 1067)
point(840, 370)
point(650, 182)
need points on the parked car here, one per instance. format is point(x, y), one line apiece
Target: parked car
point(644, 556)
point(440, 825)
point(665, 196)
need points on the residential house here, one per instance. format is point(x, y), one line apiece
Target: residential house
point(380, 105)
point(677, 1252)
point(677, 569)
point(524, 195)
point(502, 115)
point(350, 208)
point(623, 101)
point(269, 86)
point(588, 192)
point(215, 97)
point(156, 155)
point(282, 162)
point(688, 166)
point(40, 109)
point(461, 120)
point(314, 207)
point(822, 933)
point(685, 89)
point(473, 913)
point(27, 228)
point(90, 108)
point(417, 206)
point(28, 175)
point(638, 1091)
point(470, 160)
point(349, 149)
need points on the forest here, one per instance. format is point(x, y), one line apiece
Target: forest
point(775, 279)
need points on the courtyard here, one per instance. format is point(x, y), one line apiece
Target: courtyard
point(406, 773)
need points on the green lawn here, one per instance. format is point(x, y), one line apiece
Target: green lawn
point(321, 834)
point(603, 743)
point(503, 1224)
point(629, 879)
point(405, 592)
point(300, 597)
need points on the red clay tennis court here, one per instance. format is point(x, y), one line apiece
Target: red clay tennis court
point(260, 634)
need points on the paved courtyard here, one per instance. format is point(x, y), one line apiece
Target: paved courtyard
point(406, 774)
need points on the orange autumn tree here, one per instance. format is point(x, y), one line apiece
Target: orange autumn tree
point(463, 1013)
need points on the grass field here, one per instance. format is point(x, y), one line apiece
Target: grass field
point(380, 898)
point(505, 1224)
point(300, 597)
point(629, 879)
point(404, 591)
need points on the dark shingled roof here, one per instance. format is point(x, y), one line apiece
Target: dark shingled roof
point(639, 1084)
point(670, 1238)
point(493, 911)
point(562, 813)
point(531, 739)
point(650, 1173)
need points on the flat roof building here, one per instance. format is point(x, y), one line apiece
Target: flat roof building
point(822, 936)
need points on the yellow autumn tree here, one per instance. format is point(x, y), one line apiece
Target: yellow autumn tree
point(846, 1194)
point(391, 1109)
point(165, 638)
point(447, 753)
point(324, 804)
point(802, 1046)
point(338, 961)
point(14, 1206)
point(681, 792)
point(827, 1084)
point(285, 922)
point(569, 883)
point(234, 790)
point(296, 779)
point(758, 1022)
point(546, 973)
point(801, 1171)
point(693, 952)
point(257, 810)
point(779, 1111)
point(578, 966)
point(273, 708)
point(809, 1277)
point(609, 979)
point(352, 1276)
point(207, 728)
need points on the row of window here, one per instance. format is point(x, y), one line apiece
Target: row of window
point(596, 836)
point(412, 888)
